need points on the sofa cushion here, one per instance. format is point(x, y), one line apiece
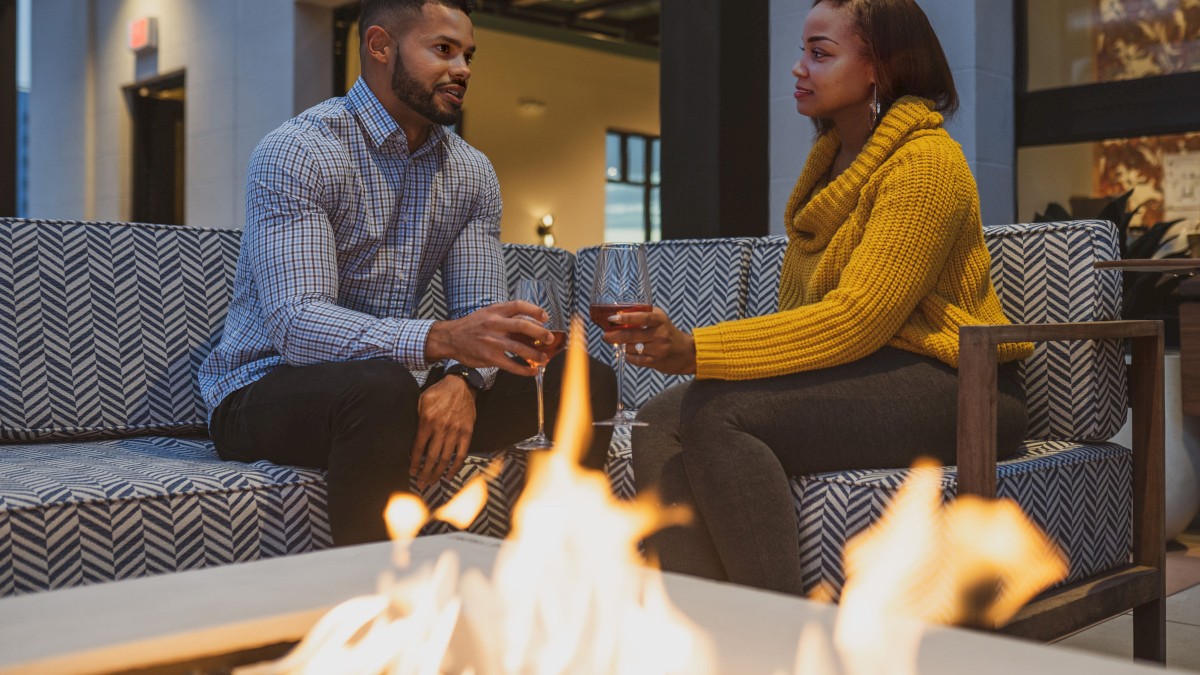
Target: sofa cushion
point(1078, 493)
point(1043, 274)
point(103, 325)
point(698, 282)
point(80, 513)
point(766, 266)
point(73, 514)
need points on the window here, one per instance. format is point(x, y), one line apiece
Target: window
point(1108, 101)
point(632, 207)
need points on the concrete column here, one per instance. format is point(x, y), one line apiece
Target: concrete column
point(978, 37)
point(58, 110)
point(715, 136)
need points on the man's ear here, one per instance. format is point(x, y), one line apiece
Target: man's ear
point(378, 45)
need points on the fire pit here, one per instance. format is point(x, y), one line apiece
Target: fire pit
point(177, 621)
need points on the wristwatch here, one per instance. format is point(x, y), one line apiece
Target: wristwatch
point(473, 377)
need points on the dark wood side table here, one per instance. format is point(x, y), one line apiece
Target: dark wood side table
point(1189, 319)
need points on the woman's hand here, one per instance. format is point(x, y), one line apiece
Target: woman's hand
point(656, 344)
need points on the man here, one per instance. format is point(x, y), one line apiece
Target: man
point(351, 208)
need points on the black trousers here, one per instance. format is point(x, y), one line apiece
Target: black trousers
point(358, 420)
point(727, 449)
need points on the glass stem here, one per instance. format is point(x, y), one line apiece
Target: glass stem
point(620, 414)
point(541, 405)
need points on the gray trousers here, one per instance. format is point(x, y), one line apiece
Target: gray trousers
point(728, 448)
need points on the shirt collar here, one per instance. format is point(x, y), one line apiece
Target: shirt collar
point(379, 124)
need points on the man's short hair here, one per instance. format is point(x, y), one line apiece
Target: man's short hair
point(388, 13)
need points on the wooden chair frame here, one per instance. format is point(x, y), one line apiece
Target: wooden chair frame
point(1139, 585)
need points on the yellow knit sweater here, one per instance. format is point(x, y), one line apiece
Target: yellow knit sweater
point(891, 252)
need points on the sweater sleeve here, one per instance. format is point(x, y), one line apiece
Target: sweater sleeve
point(921, 203)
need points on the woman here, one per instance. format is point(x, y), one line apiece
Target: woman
point(856, 370)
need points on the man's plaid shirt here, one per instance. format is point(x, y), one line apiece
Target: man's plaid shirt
point(344, 230)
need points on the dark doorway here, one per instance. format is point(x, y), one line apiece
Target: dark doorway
point(157, 109)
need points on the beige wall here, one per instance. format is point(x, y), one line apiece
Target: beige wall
point(553, 161)
point(1053, 173)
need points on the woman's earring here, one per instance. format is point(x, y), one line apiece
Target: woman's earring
point(873, 108)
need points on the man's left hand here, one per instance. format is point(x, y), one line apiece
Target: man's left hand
point(445, 421)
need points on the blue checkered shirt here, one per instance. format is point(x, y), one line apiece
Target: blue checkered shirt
point(344, 230)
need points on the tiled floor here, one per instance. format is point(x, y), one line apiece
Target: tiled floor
point(1115, 636)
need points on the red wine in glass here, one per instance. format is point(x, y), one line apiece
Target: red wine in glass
point(621, 284)
point(600, 313)
point(541, 293)
point(550, 350)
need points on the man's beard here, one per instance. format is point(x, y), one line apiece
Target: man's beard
point(420, 98)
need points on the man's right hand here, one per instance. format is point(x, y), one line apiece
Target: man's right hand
point(481, 338)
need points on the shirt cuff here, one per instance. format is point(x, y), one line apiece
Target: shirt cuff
point(410, 344)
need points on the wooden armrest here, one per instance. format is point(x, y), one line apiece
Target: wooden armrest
point(977, 364)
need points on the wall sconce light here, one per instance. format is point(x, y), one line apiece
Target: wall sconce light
point(545, 230)
point(531, 106)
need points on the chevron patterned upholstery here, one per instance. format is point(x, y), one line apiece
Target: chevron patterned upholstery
point(700, 282)
point(1043, 273)
point(102, 327)
point(81, 513)
point(766, 264)
point(103, 324)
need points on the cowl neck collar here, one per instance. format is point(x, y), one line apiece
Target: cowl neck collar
point(811, 223)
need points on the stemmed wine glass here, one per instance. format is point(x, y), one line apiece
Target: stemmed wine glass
point(622, 284)
point(541, 292)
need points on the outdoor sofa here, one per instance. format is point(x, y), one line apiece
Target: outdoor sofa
point(106, 472)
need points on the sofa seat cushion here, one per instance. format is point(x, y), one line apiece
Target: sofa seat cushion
point(1078, 493)
point(79, 513)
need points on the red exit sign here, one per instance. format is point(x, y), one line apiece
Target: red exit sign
point(143, 34)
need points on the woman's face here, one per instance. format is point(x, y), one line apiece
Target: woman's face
point(833, 77)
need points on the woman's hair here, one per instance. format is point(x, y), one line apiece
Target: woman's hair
point(906, 53)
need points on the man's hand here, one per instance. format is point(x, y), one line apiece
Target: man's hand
point(481, 338)
point(664, 347)
point(445, 421)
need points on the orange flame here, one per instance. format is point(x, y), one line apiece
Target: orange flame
point(972, 562)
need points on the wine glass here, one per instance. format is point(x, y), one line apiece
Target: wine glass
point(541, 292)
point(622, 284)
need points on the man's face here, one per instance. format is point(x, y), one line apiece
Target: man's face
point(433, 64)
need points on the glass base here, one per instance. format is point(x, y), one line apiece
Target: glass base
point(535, 443)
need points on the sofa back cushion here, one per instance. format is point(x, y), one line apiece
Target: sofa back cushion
point(698, 282)
point(1043, 274)
point(103, 325)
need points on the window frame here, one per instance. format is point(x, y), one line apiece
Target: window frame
point(648, 184)
point(1150, 106)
